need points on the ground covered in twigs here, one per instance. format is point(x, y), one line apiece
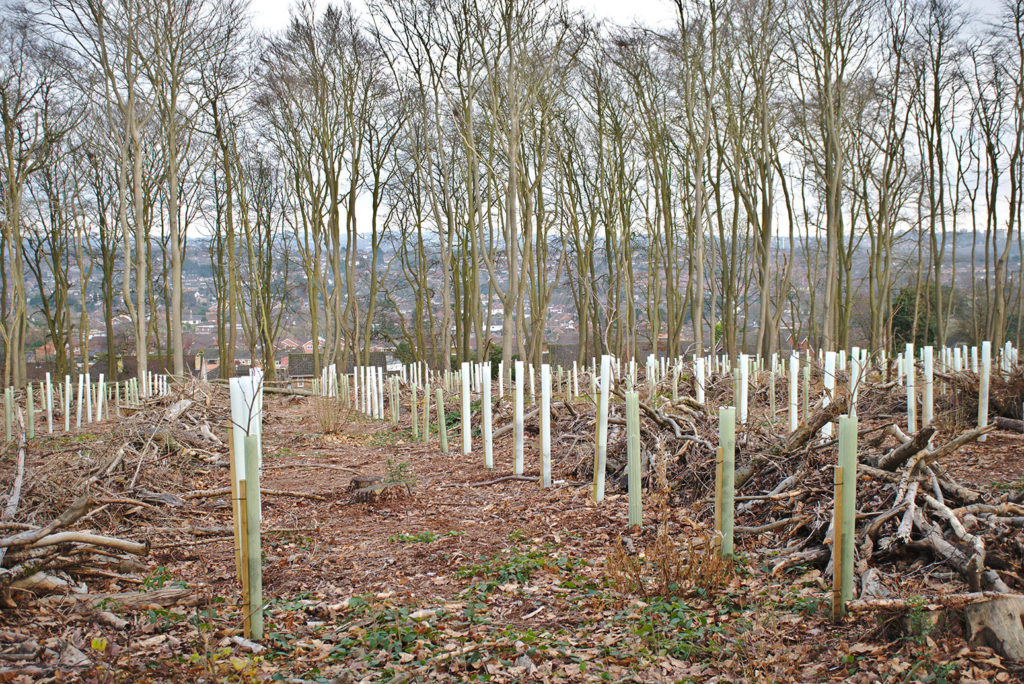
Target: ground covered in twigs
point(460, 573)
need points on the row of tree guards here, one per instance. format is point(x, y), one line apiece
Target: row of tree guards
point(92, 402)
point(377, 394)
point(365, 389)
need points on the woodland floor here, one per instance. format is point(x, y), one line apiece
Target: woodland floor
point(499, 582)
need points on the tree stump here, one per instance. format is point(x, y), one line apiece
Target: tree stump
point(382, 491)
point(997, 624)
point(363, 481)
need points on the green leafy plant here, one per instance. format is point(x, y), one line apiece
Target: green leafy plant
point(399, 472)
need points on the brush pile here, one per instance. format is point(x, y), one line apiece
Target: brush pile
point(910, 508)
point(83, 505)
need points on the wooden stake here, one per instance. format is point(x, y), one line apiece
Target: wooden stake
point(8, 414)
point(848, 505)
point(237, 508)
point(838, 607)
point(426, 412)
point(718, 499)
point(243, 557)
point(807, 390)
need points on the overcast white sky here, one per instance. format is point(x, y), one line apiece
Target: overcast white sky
point(271, 15)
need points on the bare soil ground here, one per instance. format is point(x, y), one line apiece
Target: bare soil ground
point(464, 578)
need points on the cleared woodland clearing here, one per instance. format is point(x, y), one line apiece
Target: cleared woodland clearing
point(459, 578)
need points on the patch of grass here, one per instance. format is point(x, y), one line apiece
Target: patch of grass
point(671, 627)
point(283, 452)
point(518, 566)
point(920, 622)
point(388, 437)
point(382, 634)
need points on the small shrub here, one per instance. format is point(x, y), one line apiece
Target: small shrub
point(669, 569)
point(399, 472)
point(328, 412)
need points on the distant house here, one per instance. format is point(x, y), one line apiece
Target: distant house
point(308, 346)
point(291, 344)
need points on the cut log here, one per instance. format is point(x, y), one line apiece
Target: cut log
point(40, 582)
point(363, 481)
point(997, 624)
point(926, 602)
point(508, 428)
point(506, 478)
point(176, 410)
point(94, 540)
point(1009, 424)
point(933, 539)
point(382, 490)
point(15, 498)
point(806, 431)
point(904, 452)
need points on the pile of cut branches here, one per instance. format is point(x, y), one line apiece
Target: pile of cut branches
point(909, 505)
point(77, 502)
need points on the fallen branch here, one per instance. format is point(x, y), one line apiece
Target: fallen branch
point(907, 450)
point(324, 466)
point(508, 428)
point(925, 603)
point(209, 493)
point(506, 478)
point(768, 527)
point(954, 444)
point(94, 540)
point(76, 511)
